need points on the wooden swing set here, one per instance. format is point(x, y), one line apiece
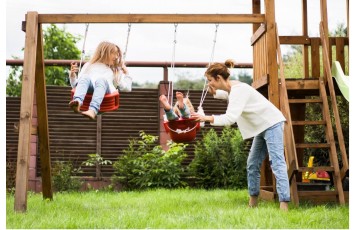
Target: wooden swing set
point(265, 78)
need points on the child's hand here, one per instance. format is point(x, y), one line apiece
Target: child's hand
point(73, 69)
point(124, 69)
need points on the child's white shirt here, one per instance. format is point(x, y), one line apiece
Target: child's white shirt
point(96, 70)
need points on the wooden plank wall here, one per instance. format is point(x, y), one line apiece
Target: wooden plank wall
point(73, 137)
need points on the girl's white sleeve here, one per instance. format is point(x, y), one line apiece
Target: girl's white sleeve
point(125, 84)
point(74, 80)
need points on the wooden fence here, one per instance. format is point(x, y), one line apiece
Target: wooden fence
point(73, 137)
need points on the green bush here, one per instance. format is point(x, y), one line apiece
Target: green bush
point(146, 165)
point(220, 161)
point(63, 176)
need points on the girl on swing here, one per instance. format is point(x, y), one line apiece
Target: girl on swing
point(183, 107)
point(104, 73)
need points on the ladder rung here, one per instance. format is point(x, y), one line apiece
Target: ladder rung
point(308, 122)
point(304, 101)
point(316, 193)
point(312, 145)
point(316, 168)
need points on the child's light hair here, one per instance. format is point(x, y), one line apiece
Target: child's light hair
point(102, 54)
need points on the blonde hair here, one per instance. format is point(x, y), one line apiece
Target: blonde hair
point(103, 52)
point(187, 102)
point(216, 69)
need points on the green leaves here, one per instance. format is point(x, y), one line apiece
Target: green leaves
point(58, 44)
point(146, 165)
point(220, 161)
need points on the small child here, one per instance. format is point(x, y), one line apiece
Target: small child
point(183, 107)
point(104, 73)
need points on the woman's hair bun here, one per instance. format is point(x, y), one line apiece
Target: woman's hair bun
point(230, 63)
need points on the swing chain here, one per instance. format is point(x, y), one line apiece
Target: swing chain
point(170, 86)
point(83, 49)
point(206, 87)
point(127, 41)
point(214, 43)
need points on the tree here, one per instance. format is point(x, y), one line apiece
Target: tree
point(58, 44)
point(13, 82)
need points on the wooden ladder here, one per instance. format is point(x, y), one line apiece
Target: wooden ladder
point(337, 194)
point(291, 147)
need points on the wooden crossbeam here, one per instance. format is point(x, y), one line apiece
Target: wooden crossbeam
point(151, 18)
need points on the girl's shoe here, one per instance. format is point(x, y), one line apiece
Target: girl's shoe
point(90, 114)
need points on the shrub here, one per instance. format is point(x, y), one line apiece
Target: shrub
point(63, 176)
point(95, 160)
point(220, 161)
point(146, 165)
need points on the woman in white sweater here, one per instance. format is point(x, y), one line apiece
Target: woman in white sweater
point(256, 117)
point(104, 73)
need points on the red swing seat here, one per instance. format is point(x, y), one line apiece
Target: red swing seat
point(188, 129)
point(110, 101)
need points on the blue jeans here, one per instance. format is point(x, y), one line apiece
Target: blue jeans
point(269, 141)
point(171, 115)
point(99, 89)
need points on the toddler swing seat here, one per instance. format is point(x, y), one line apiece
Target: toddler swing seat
point(182, 130)
point(110, 101)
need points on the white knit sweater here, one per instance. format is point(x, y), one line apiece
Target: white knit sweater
point(252, 112)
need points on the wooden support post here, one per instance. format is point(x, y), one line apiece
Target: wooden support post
point(163, 136)
point(272, 68)
point(27, 95)
point(42, 114)
point(99, 126)
point(305, 33)
point(256, 9)
point(272, 71)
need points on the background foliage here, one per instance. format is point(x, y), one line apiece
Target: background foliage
point(220, 161)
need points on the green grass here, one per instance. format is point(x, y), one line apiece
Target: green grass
point(181, 208)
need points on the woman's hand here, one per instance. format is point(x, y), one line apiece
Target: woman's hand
point(211, 90)
point(198, 117)
point(202, 118)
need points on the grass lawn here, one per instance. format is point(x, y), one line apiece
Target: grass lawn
point(181, 208)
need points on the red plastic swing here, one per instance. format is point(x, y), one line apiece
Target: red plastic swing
point(110, 101)
point(182, 130)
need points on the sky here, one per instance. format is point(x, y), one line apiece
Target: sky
point(154, 42)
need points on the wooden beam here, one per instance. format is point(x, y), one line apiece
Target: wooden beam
point(98, 144)
point(256, 9)
point(42, 113)
point(151, 18)
point(261, 31)
point(305, 33)
point(272, 68)
point(302, 84)
point(33, 128)
point(262, 81)
point(294, 40)
point(26, 111)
